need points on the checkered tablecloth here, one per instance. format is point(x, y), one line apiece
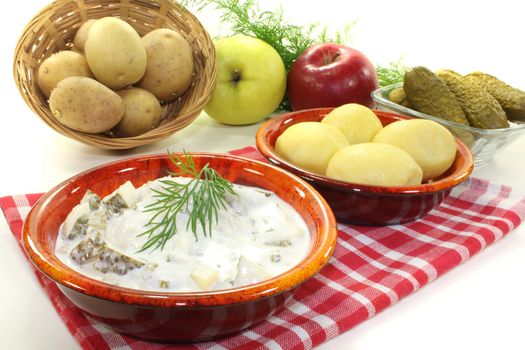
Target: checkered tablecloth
point(371, 269)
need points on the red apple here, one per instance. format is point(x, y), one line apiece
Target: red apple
point(331, 75)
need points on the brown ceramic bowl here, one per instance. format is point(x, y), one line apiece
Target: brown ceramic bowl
point(364, 204)
point(177, 317)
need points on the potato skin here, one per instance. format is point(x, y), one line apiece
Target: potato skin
point(142, 112)
point(115, 53)
point(85, 105)
point(169, 70)
point(61, 65)
point(81, 36)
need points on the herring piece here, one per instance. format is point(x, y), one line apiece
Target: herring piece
point(92, 199)
point(98, 220)
point(205, 276)
point(128, 192)
point(76, 222)
point(249, 272)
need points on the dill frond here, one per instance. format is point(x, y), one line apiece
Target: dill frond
point(202, 198)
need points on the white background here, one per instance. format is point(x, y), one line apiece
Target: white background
point(477, 305)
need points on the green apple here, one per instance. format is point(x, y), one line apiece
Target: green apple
point(251, 81)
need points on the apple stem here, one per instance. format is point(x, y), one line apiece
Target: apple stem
point(327, 59)
point(236, 77)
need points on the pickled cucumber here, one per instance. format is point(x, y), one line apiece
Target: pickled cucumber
point(103, 258)
point(512, 100)
point(429, 95)
point(481, 108)
point(398, 96)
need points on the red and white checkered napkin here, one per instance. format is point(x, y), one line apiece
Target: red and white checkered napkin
point(371, 269)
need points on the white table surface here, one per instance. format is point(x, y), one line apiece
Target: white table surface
point(478, 305)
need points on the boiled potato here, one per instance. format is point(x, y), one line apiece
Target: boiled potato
point(358, 123)
point(115, 53)
point(431, 145)
point(374, 164)
point(169, 70)
point(81, 36)
point(142, 112)
point(84, 104)
point(61, 65)
point(310, 145)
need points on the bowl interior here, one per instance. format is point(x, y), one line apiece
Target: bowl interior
point(43, 222)
point(273, 128)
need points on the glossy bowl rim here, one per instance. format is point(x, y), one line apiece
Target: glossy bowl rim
point(269, 153)
point(82, 284)
point(377, 96)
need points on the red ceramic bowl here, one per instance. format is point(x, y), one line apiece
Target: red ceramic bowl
point(364, 204)
point(178, 317)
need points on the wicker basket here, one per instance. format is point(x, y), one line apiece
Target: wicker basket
point(54, 28)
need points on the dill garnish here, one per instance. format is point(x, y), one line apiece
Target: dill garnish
point(393, 74)
point(289, 40)
point(201, 198)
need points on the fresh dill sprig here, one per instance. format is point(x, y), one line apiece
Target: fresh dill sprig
point(201, 198)
point(289, 40)
point(393, 74)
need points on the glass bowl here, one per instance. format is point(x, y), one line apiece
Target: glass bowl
point(483, 143)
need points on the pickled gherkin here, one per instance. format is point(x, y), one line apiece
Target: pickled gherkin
point(124, 197)
point(79, 228)
point(88, 249)
point(429, 95)
point(512, 100)
point(103, 258)
point(115, 204)
point(110, 260)
point(481, 108)
point(398, 96)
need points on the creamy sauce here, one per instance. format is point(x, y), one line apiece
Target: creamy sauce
point(257, 236)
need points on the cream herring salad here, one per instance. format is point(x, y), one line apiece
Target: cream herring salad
point(254, 237)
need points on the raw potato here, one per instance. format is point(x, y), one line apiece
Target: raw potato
point(61, 65)
point(81, 36)
point(431, 145)
point(169, 69)
point(115, 53)
point(358, 123)
point(84, 104)
point(142, 112)
point(374, 164)
point(310, 145)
